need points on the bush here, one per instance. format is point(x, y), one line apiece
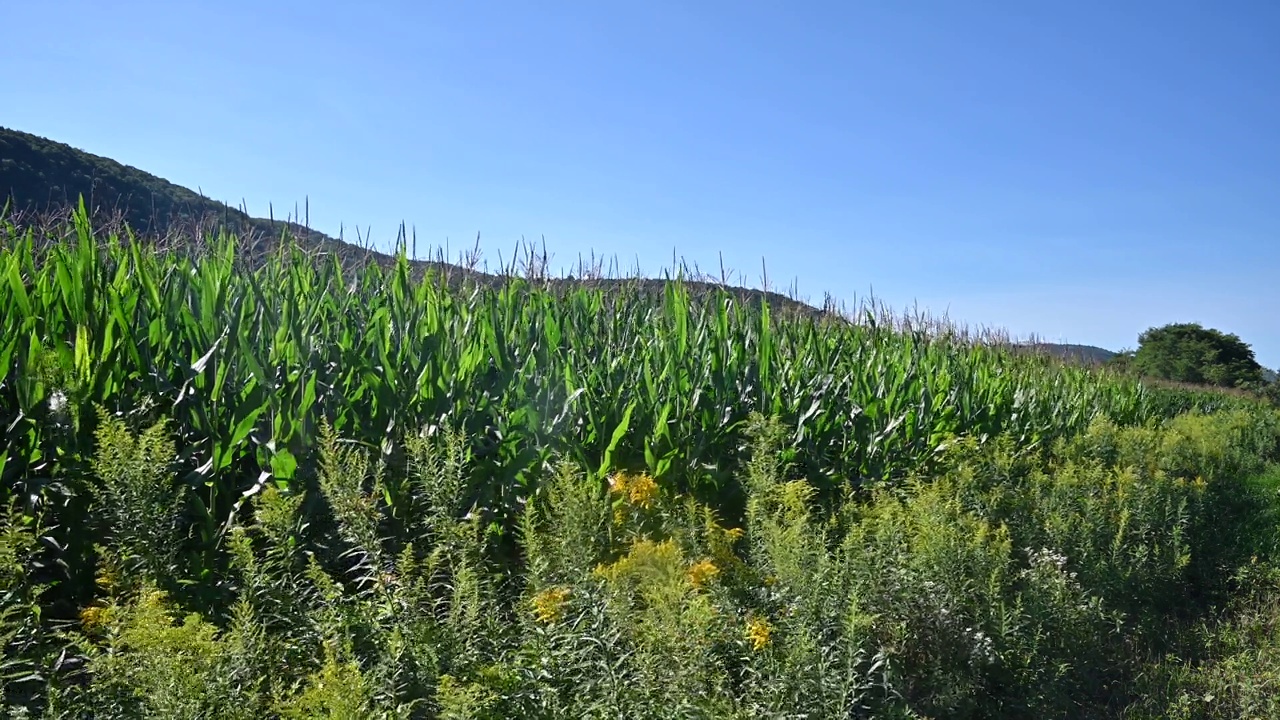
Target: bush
point(1006, 583)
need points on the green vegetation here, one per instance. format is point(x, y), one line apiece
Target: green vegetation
point(1190, 353)
point(296, 489)
point(1234, 668)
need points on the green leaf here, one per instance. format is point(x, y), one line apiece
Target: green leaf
point(619, 432)
point(19, 289)
point(283, 464)
point(241, 431)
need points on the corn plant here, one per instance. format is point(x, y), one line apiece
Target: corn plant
point(247, 361)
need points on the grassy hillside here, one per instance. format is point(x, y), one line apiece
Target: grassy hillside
point(299, 489)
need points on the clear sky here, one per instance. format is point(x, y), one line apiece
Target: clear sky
point(1082, 171)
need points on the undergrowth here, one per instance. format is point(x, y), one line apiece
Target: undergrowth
point(1084, 582)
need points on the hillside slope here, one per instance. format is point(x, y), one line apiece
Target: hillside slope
point(1087, 354)
point(39, 176)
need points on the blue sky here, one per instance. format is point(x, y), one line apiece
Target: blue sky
point(1082, 171)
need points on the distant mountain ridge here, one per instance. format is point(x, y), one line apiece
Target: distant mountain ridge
point(1088, 354)
point(39, 175)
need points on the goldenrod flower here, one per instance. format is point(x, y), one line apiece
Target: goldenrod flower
point(644, 558)
point(107, 579)
point(702, 572)
point(640, 490)
point(549, 604)
point(154, 600)
point(91, 618)
point(758, 631)
point(643, 491)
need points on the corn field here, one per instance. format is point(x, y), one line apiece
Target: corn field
point(246, 364)
point(264, 376)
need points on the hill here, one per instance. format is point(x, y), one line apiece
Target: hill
point(40, 177)
point(1086, 354)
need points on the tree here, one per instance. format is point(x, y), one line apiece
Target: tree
point(1190, 353)
point(1272, 392)
point(1121, 362)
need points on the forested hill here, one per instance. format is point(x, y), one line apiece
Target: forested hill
point(1086, 354)
point(41, 176)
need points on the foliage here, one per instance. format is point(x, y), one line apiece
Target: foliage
point(1005, 584)
point(1271, 391)
point(1190, 353)
point(246, 365)
point(26, 646)
point(1231, 665)
point(296, 492)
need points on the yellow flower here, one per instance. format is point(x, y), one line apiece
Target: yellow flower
point(758, 631)
point(107, 579)
point(640, 490)
point(618, 483)
point(91, 618)
point(645, 558)
point(643, 491)
point(702, 572)
point(548, 604)
point(154, 600)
